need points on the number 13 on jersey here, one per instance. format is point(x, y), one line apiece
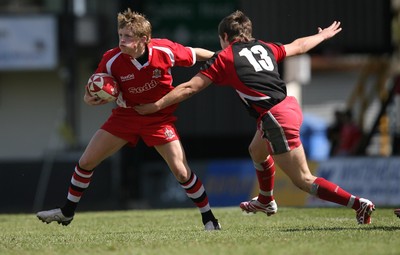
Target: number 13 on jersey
point(265, 62)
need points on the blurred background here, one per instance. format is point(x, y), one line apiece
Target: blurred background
point(348, 88)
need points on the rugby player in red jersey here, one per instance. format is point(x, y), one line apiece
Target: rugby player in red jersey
point(142, 67)
point(250, 66)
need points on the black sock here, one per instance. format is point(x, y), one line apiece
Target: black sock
point(207, 216)
point(69, 208)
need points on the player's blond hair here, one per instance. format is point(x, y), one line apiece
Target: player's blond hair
point(237, 26)
point(136, 22)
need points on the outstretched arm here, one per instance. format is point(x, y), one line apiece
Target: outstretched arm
point(203, 54)
point(181, 92)
point(304, 44)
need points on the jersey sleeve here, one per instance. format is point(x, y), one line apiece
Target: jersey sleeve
point(215, 68)
point(278, 49)
point(102, 68)
point(181, 55)
point(185, 56)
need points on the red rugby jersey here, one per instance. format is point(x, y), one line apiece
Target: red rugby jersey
point(251, 68)
point(149, 82)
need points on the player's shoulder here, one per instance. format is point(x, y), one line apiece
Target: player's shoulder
point(277, 48)
point(224, 53)
point(112, 52)
point(271, 44)
point(166, 47)
point(161, 42)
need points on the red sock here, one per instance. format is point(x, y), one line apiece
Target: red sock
point(79, 183)
point(266, 176)
point(329, 191)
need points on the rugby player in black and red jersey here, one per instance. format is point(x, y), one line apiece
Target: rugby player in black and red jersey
point(250, 66)
point(142, 67)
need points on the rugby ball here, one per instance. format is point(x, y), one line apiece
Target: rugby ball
point(103, 86)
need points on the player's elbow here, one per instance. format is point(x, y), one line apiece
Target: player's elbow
point(189, 91)
point(301, 48)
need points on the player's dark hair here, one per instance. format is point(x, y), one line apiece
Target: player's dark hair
point(237, 26)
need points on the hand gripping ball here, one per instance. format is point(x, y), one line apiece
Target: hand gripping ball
point(103, 86)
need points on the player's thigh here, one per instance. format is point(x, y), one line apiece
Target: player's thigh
point(174, 155)
point(258, 148)
point(102, 145)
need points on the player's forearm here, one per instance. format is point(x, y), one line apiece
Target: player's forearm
point(203, 54)
point(304, 44)
point(177, 95)
point(184, 91)
point(307, 43)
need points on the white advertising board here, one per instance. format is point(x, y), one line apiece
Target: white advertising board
point(377, 179)
point(28, 42)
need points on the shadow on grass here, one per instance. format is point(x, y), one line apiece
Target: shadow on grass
point(384, 228)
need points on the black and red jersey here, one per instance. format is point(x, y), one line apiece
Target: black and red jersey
point(251, 68)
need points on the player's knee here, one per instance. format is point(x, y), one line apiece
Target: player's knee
point(250, 150)
point(181, 176)
point(86, 164)
point(253, 153)
point(256, 155)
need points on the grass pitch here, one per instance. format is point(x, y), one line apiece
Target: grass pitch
point(180, 231)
